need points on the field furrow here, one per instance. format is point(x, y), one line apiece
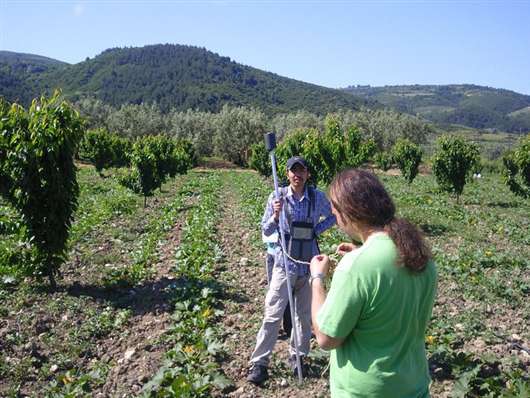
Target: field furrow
point(166, 301)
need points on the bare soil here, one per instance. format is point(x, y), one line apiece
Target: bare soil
point(137, 354)
point(51, 324)
point(245, 274)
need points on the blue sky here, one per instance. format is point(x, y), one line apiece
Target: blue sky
point(331, 43)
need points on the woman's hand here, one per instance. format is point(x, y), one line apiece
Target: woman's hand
point(276, 208)
point(345, 247)
point(320, 264)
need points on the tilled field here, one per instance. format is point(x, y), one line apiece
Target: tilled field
point(167, 300)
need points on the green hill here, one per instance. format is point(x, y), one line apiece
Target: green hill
point(184, 77)
point(20, 74)
point(468, 105)
point(180, 77)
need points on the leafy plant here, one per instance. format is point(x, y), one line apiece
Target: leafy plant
point(97, 147)
point(383, 160)
point(517, 168)
point(74, 384)
point(407, 155)
point(38, 175)
point(190, 369)
point(260, 160)
point(454, 162)
point(326, 153)
point(153, 160)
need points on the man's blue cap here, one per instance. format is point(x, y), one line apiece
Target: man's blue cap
point(296, 160)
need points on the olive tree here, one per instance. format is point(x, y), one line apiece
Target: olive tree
point(285, 122)
point(385, 126)
point(137, 120)
point(95, 112)
point(196, 126)
point(236, 130)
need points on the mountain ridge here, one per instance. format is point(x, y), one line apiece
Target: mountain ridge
point(470, 105)
point(183, 77)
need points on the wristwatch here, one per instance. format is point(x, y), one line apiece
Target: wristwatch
point(320, 276)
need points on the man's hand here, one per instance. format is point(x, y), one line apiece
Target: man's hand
point(345, 247)
point(320, 264)
point(276, 208)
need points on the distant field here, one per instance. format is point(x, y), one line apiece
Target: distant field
point(491, 145)
point(525, 111)
point(433, 108)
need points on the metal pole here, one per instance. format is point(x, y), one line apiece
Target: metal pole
point(282, 237)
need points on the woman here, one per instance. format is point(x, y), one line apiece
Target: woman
point(381, 297)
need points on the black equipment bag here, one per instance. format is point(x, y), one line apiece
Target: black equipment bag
point(302, 234)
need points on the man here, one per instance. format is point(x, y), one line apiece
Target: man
point(304, 207)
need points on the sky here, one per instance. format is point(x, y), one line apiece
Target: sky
point(330, 43)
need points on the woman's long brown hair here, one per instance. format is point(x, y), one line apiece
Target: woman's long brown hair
point(361, 198)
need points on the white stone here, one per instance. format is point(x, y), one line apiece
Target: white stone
point(128, 354)
point(516, 337)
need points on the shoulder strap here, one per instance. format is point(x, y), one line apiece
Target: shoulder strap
point(283, 195)
point(312, 198)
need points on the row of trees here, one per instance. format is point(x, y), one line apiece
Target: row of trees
point(105, 150)
point(38, 174)
point(153, 160)
point(453, 164)
point(150, 159)
point(230, 132)
point(327, 152)
point(456, 160)
point(336, 149)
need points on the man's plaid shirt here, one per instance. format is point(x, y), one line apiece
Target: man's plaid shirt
point(297, 210)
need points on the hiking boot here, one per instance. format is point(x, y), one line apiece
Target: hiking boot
point(257, 374)
point(292, 365)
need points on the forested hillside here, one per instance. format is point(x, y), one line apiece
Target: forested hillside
point(20, 75)
point(185, 77)
point(468, 105)
point(175, 76)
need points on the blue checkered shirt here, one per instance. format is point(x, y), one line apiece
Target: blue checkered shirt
point(297, 210)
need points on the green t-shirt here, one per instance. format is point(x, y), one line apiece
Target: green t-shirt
point(382, 311)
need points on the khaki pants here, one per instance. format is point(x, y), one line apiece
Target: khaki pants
point(275, 302)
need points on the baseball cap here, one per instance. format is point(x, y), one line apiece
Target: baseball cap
point(296, 160)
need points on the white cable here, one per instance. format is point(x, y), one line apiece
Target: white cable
point(290, 258)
